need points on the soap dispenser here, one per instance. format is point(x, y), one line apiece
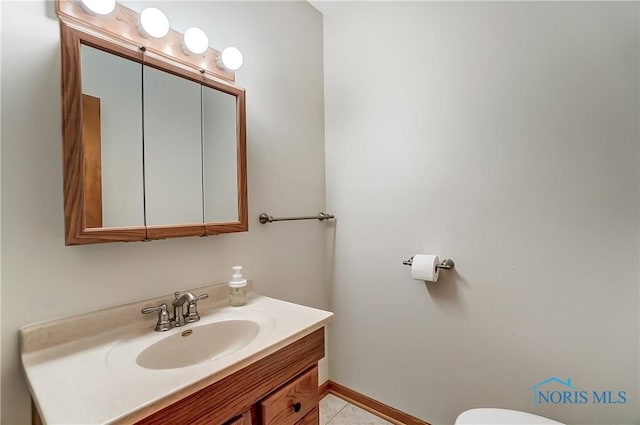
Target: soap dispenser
point(237, 288)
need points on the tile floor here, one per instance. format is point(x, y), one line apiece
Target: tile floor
point(336, 411)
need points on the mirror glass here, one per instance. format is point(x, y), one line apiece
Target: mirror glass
point(159, 149)
point(219, 156)
point(172, 148)
point(112, 136)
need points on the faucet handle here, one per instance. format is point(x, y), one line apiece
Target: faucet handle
point(161, 308)
point(192, 309)
point(163, 323)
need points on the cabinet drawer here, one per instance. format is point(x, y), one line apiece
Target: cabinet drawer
point(312, 418)
point(289, 404)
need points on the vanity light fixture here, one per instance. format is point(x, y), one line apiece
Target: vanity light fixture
point(153, 23)
point(230, 58)
point(98, 7)
point(150, 30)
point(195, 41)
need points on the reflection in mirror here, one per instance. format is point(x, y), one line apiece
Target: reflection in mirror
point(219, 140)
point(172, 149)
point(112, 136)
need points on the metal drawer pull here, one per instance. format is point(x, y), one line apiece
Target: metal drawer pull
point(297, 407)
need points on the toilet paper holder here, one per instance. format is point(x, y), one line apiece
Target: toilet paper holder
point(446, 264)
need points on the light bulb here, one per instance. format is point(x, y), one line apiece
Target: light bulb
point(98, 7)
point(230, 58)
point(195, 41)
point(154, 23)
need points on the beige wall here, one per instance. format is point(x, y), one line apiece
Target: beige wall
point(42, 279)
point(0, 209)
point(505, 136)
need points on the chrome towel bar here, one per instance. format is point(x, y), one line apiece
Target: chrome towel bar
point(266, 218)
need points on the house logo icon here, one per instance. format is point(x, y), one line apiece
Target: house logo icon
point(556, 391)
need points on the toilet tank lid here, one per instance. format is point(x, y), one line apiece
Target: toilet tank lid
point(486, 416)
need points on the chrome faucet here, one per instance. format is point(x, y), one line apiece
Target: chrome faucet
point(180, 318)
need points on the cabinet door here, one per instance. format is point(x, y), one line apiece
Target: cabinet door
point(244, 419)
point(289, 404)
point(247, 418)
point(241, 420)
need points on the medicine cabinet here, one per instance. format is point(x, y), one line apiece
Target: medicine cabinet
point(151, 149)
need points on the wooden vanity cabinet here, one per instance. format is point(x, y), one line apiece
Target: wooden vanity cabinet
point(280, 389)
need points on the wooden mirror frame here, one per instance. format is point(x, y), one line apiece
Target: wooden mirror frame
point(74, 33)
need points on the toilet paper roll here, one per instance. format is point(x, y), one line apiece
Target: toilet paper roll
point(424, 268)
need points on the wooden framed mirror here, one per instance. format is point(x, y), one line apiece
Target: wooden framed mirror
point(154, 146)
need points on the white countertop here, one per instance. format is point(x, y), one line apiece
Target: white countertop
point(95, 379)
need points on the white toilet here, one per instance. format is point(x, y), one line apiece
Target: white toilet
point(490, 416)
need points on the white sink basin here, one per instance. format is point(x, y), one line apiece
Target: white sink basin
point(221, 334)
point(198, 343)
